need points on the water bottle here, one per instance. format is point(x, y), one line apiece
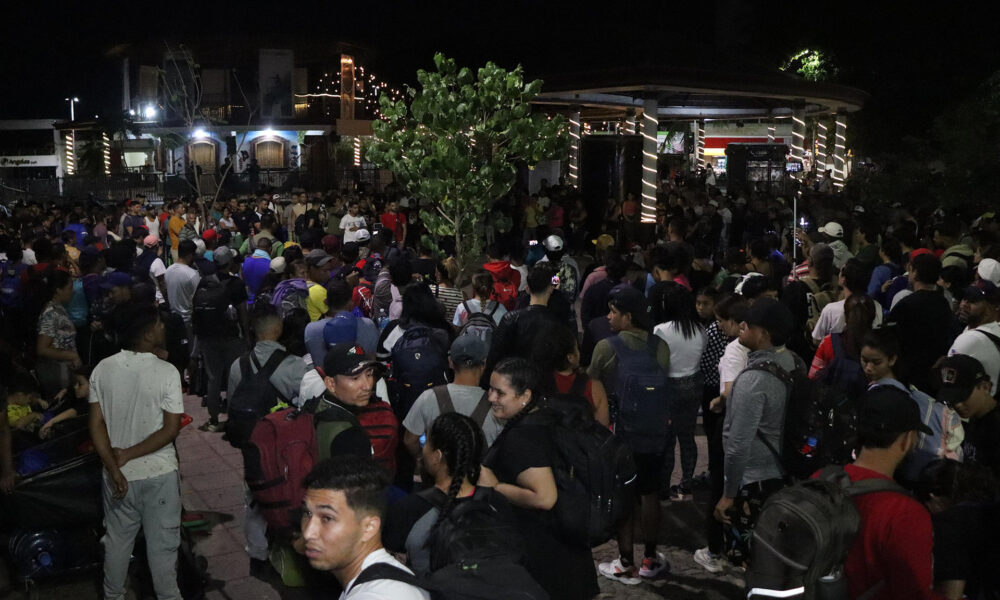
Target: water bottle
point(383, 318)
point(832, 586)
point(231, 313)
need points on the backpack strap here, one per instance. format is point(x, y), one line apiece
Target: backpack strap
point(837, 341)
point(482, 409)
point(811, 284)
point(993, 338)
point(579, 385)
point(445, 405)
point(468, 311)
point(496, 305)
point(272, 364)
point(388, 571)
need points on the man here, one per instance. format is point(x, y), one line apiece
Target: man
point(629, 318)
point(133, 220)
point(221, 337)
point(892, 549)
point(267, 327)
point(256, 266)
point(833, 234)
point(319, 264)
point(135, 415)
point(965, 386)
point(467, 358)
point(567, 269)
point(866, 240)
point(811, 290)
point(755, 412)
point(340, 305)
point(150, 266)
point(352, 222)
point(949, 248)
point(832, 319)
point(182, 280)
point(342, 516)
point(980, 309)
point(174, 227)
point(394, 221)
point(924, 321)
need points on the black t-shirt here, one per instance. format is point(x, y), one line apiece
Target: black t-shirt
point(519, 448)
point(924, 324)
point(967, 548)
point(244, 220)
point(982, 441)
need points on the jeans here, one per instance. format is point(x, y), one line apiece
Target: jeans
point(712, 423)
point(155, 505)
point(254, 527)
point(218, 355)
point(684, 399)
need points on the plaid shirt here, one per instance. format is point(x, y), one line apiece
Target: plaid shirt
point(715, 346)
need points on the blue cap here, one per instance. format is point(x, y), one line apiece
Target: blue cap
point(340, 329)
point(117, 279)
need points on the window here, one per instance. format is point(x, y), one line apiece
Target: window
point(203, 155)
point(270, 154)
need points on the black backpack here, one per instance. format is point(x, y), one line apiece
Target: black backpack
point(474, 530)
point(803, 534)
point(821, 423)
point(480, 324)
point(490, 579)
point(210, 309)
point(253, 398)
point(594, 471)
point(641, 395)
point(419, 362)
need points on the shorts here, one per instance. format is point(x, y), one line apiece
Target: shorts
point(648, 467)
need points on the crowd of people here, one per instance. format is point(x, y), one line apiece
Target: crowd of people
point(424, 377)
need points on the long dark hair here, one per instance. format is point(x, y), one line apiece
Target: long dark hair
point(523, 376)
point(420, 306)
point(859, 312)
point(462, 443)
point(550, 354)
point(673, 302)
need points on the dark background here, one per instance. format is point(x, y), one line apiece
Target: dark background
point(916, 63)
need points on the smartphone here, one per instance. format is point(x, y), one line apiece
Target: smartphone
point(555, 280)
point(533, 243)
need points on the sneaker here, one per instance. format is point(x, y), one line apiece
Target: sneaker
point(651, 567)
point(616, 572)
point(713, 563)
point(680, 492)
point(211, 427)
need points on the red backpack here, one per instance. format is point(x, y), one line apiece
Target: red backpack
point(505, 292)
point(281, 452)
point(377, 420)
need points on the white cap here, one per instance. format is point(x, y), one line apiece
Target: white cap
point(989, 270)
point(362, 235)
point(553, 243)
point(199, 247)
point(833, 229)
point(278, 264)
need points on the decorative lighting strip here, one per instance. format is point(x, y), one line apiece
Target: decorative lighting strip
point(770, 133)
point(357, 152)
point(70, 155)
point(650, 123)
point(798, 137)
point(700, 149)
point(574, 150)
point(821, 153)
point(840, 143)
point(107, 153)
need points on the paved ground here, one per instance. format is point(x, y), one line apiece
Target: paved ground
point(211, 483)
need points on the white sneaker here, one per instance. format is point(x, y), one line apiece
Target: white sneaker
point(712, 563)
point(651, 567)
point(616, 572)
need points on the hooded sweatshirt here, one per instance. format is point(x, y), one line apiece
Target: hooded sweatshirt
point(506, 282)
point(841, 253)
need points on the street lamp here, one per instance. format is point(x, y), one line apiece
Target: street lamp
point(72, 102)
point(71, 155)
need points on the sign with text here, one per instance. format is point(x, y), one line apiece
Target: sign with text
point(47, 160)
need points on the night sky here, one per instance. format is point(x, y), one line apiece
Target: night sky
point(915, 63)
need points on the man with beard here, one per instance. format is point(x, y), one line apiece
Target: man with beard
point(979, 310)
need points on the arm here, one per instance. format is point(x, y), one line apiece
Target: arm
point(161, 283)
point(102, 445)
point(6, 455)
point(823, 357)
point(65, 415)
point(158, 439)
point(535, 488)
point(44, 349)
point(746, 406)
point(412, 442)
point(600, 396)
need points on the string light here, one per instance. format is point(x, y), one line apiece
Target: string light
point(840, 142)
point(574, 148)
point(357, 152)
point(798, 136)
point(821, 155)
point(107, 153)
point(700, 151)
point(650, 124)
point(70, 155)
point(770, 133)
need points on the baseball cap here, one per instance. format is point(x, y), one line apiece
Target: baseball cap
point(468, 350)
point(989, 270)
point(317, 258)
point(960, 374)
point(981, 291)
point(150, 241)
point(627, 299)
point(340, 329)
point(918, 252)
point(362, 235)
point(604, 241)
point(771, 315)
point(223, 255)
point(833, 229)
point(331, 244)
point(553, 243)
point(346, 358)
point(890, 409)
point(210, 235)
point(117, 279)
point(278, 264)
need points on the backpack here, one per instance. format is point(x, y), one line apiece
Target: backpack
point(996, 342)
point(280, 453)
point(474, 529)
point(479, 324)
point(445, 405)
point(844, 372)
point(419, 362)
point(10, 283)
point(816, 299)
point(300, 224)
point(593, 468)
point(803, 534)
point(504, 292)
point(820, 426)
point(253, 398)
point(489, 579)
point(641, 394)
point(377, 420)
point(210, 308)
point(143, 264)
point(364, 300)
point(289, 295)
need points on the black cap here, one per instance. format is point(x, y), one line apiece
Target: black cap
point(960, 374)
point(982, 291)
point(346, 359)
point(629, 300)
point(771, 315)
point(891, 409)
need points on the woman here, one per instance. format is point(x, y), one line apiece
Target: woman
point(445, 290)
point(519, 466)
point(482, 289)
point(56, 343)
point(837, 358)
point(674, 310)
point(559, 354)
point(450, 459)
point(880, 354)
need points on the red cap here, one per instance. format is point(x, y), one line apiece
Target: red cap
point(209, 235)
point(918, 251)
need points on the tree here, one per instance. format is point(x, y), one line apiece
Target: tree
point(457, 143)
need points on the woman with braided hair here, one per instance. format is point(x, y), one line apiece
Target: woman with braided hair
point(519, 465)
point(450, 460)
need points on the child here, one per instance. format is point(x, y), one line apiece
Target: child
point(70, 402)
point(23, 398)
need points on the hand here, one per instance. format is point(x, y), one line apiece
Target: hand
point(722, 508)
point(717, 404)
point(119, 484)
point(7, 482)
point(45, 431)
point(57, 397)
point(75, 362)
point(885, 286)
point(121, 457)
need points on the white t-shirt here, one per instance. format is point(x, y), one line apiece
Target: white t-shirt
point(461, 316)
point(153, 226)
point(383, 589)
point(346, 222)
point(181, 283)
point(133, 390)
point(733, 360)
point(982, 348)
point(156, 269)
point(28, 257)
point(685, 354)
point(833, 320)
point(523, 270)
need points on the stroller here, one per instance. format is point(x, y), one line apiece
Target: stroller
point(53, 521)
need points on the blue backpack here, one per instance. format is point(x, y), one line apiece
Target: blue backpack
point(419, 362)
point(289, 295)
point(10, 283)
point(641, 393)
